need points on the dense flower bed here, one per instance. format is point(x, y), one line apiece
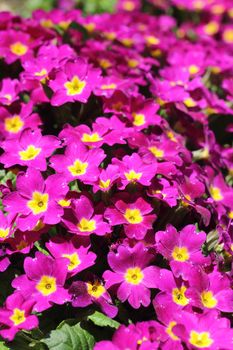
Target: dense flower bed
point(116, 177)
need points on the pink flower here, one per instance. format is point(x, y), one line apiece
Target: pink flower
point(107, 178)
point(211, 291)
point(75, 251)
point(92, 291)
point(74, 82)
point(182, 249)
point(135, 217)
point(44, 281)
point(15, 45)
point(16, 315)
point(12, 124)
point(31, 149)
point(173, 290)
point(205, 331)
point(36, 199)
point(132, 275)
point(6, 226)
point(84, 220)
point(133, 170)
point(78, 163)
point(9, 91)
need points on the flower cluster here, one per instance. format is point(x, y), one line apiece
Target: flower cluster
point(115, 140)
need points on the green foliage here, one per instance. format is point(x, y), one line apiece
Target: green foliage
point(97, 6)
point(68, 337)
point(101, 320)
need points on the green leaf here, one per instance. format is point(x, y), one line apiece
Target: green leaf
point(101, 320)
point(70, 338)
point(40, 248)
point(3, 346)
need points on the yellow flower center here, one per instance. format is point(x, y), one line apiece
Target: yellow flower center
point(104, 63)
point(140, 341)
point(216, 193)
point(42, 72)
point(169, 330)
point(180, 254)
point(138, 119)
point(228, 36)
point(178, 296)
point(152, 40)
point(86, 225)
point(78, 168)
point(111, 86)
point(158, 153)
point(74, 260)
point(95, 137)
point(9, 98)
point(90, 27)
point(127, 42)
point(218, 9)
point(30, 153)
point(39, 202)
point(64, 202)
point(200, 340)
point(4, 232)
point(193, 69)
point(230, 214)
point(46, 23)
point(133, 176)
point(134, 275)
point(189, 102)
point(18, 48)
point(133, 216)
point(95, 289)
point(104, 184)
point(75, 86)
point(64, 24)
point(46, 285)
point(156, 53)
point(18, 316)
point(211, 28)
point(128, 5)
point(133, 63)
point(208, 300)
point(110, 35)
point(14, 124)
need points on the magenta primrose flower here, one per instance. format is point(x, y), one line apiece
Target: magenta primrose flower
point(182, 249)
point(173, 290)
point(84, 220)
point(36, 199)
point(205, 331)
point(133, 170)
point(16, 315)
point(131, 274)
point(78, 163)
point(31, 149)
point(44, 281)
point(211, 291)
point(9, 91)
point(135, 217)
point(92, 291)
point(107, 178)
point(139, 336)
point(77, 254)
point(15, 45)
point(6, 226)
point(11, 125)
point(74, 82)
